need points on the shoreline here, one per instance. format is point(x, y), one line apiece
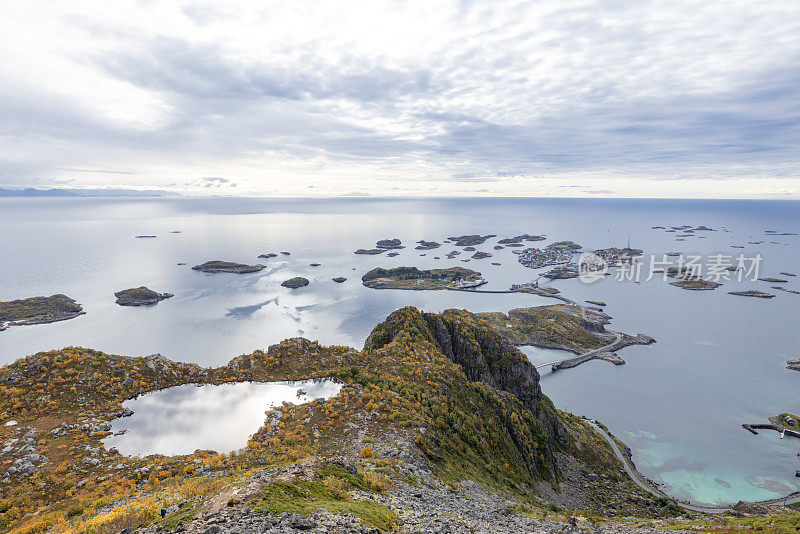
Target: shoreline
point(648, 485)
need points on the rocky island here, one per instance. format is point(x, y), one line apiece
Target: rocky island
point(389, 244)
point(469, 240)
point(427, 245)
point(339, 279)
point(414, 278)
point(564, 272)
point(794, 365)
point(370, 251)
point(752, 293)
point(536, 258)
point(559, 326)
point(615, 257)
point(38, 310)
point(564, 245)
point(520, 238)
point(564, 327)
point(140, 296)
point(296, 282)
point(786, 290)
point(695, 284)
point(219, 266)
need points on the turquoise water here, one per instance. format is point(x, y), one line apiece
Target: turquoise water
point(719, 360)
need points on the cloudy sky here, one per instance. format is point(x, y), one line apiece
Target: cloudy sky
point(560, 98)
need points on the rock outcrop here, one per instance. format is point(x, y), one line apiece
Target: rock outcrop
point(219, 266)
point(140, 296)
point(296, 282)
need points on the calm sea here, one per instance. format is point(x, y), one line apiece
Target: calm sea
point(719, 361)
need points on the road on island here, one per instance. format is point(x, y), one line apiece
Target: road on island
point(617, 338)
point(643, 483)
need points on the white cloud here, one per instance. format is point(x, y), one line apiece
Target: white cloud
point(523, 96)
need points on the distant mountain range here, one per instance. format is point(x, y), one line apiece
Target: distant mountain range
point(31, 192)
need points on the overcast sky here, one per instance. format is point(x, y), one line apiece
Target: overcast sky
point(561, 98)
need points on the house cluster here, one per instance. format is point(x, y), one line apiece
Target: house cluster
point(535, 258)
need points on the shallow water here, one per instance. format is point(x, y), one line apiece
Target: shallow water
point(719, 360)
point(182, 419)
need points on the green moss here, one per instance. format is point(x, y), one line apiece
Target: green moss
point(179, 518)
point(307, 497)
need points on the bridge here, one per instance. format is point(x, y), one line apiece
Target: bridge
point(583, 357)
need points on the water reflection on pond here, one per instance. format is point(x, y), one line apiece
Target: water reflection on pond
point(182, 419)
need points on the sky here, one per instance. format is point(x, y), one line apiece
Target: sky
point(638, 98)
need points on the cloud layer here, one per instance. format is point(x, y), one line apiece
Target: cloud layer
point(410, 97)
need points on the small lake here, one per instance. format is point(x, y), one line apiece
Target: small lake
point(183, 419)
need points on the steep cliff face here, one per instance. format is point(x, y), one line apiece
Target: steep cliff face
point(486, 358)
point(467, 341)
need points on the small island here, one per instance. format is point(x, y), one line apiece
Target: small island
point(370, 251)
point(562, 273)
point(773, 280)
point(469, 240)
point(786, 290)
point(695, 284)
point(481, 255)
point(752, 293)
point(219, 266)
point(140, 296)
point(389, 244)
point(427, 245)
point(38, 310)
point(340, 279)
point(414, 278)
point(536, 258)
point(776, 232)
point(296, 282)
point(794, 365)
point(268, 255)
point(615, 257)
point(596, 303)
point(564, 245)
point(567, 327)
point(520, 238)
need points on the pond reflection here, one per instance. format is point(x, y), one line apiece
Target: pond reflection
point(182, 419)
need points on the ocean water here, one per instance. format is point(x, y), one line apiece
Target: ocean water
point(719, 361)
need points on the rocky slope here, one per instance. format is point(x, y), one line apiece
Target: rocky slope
point(440, 426)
